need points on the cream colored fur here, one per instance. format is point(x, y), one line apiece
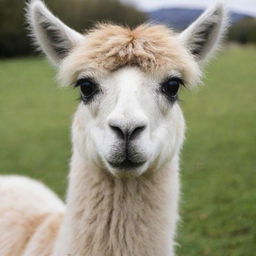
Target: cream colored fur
point(25, 207)
point(111, 211)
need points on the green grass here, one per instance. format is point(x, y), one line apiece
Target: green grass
point(219, 160)
point(35, 120)
point(218, 205)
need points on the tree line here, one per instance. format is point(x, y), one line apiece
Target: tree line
point(244, 31)
point(79, 14)
point(82, 14)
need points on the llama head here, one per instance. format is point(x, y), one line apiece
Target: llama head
point(129, 120)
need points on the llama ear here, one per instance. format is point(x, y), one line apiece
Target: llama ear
point(204, 35)
point(51, 35)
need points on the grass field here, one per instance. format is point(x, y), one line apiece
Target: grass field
point(218, 205)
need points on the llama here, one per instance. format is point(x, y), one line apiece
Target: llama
point(127, 133)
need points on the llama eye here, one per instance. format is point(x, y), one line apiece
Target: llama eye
point(171, 87)
point(88, 88)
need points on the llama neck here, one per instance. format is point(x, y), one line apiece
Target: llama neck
point(112, 217)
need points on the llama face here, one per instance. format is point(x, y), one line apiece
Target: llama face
point(129, 95)
point(129, 120)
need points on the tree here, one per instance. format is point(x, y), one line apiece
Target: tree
point(244, 31)
point(79, 14)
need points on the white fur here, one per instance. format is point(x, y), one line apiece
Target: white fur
point(130, 102)
point(25, 204)
point(37, 13)
point(192, 36)
point(110, 211)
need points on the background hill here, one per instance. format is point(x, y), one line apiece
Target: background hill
point(242, 29)
point(180, 18)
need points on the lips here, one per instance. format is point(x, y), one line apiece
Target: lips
point(126, 157)
point(126, 164)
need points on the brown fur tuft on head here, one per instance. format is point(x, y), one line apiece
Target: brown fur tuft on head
point(107, 47)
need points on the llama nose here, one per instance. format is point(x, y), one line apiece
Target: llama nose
point(127, 133)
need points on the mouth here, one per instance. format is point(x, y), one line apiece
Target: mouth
point(126, 157)
point(126, 164)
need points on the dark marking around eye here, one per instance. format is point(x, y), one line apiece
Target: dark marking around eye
point(88, 89)
point(170, 87)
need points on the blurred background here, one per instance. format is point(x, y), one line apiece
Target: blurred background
point(218, 205)
point(82, 14)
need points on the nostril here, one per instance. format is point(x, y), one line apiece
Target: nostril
point(118, 131)
point(136, 132)
point(127, 133)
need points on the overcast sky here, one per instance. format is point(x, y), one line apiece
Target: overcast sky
point(245, 6)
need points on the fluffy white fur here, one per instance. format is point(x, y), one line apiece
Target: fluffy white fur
point(38, 15)
point(206, 32)
point(111, 211)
